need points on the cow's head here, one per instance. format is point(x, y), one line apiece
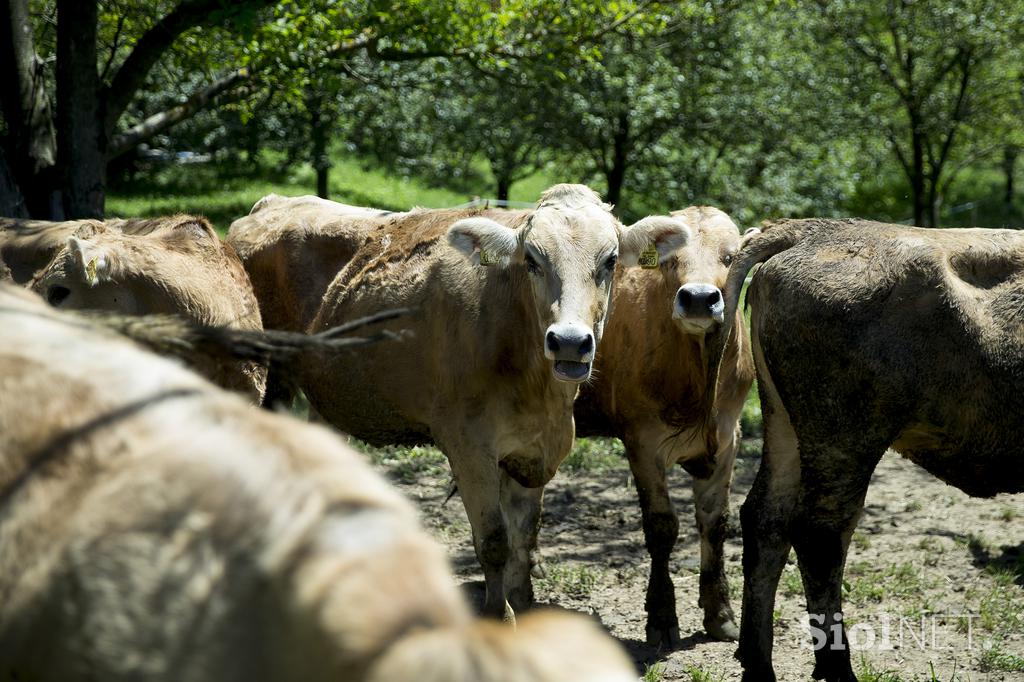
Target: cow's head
point(568, 249)
point(169, 266)
point(697, 272)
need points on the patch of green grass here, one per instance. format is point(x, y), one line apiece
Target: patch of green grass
point(407, 464)
point(595, 454)
point(1008, 514)
point(701, 675)
point(751, 420)
point(861, 541)
point(868, 673)
point(994, 659)
point(569, 580)
point(997, 602)
point(654, 672)
point(791, 583)
point(903, 581)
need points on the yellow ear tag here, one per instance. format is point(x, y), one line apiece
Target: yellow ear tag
point(90, 273)
point(648, 258)
point(487, 258)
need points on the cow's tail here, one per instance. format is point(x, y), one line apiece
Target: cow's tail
point(178, 337)
point(544, 647)
point(775, 238)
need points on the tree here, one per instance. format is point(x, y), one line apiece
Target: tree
point(57, 159)
point(933, 73)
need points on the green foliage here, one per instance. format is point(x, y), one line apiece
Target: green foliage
point(595, 454)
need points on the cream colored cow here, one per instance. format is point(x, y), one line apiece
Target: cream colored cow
point(155, 528)
point(170, 265)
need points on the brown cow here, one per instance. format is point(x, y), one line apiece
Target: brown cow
point(868, 336)
point(649, 391)
point(173, 265)
point(292, 248)
point(155, 528)
point(509, 308)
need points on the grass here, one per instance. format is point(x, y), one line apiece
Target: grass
point(595, 455)
point(223, 192)
point(654, 672)
point(569, 580)
point(701, 675)
point(407, 464)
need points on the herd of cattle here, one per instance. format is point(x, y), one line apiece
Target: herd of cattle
point(156, 527)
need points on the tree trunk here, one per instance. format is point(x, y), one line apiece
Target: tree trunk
point(934, 202)
point(917, 174)
point(504, 185)
point(319, 129)
point(30, 146)
point(616, 175)
point(81, 135)
point(1010, 153)
point(12, 203)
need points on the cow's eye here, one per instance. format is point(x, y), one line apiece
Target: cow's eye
point(609, 263)
point(531, 265)
point(727, 258)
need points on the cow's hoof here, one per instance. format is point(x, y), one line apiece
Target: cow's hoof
point(663, 638)
point(724, 631)
point(537, 570)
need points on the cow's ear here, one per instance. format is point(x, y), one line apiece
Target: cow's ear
point(648, 242)
point(484, 241)
point(93, 261)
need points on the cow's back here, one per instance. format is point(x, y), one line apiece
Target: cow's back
point(293, 249)
point(915, 334)
point(455, 346)
point(273, 550)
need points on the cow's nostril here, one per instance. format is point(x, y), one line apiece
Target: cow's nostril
point(56, 295)
point(685, 298)
point(587, 347)
point(552, 342)
point(714, 296)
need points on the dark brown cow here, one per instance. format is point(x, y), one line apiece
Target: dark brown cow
point(868, 336)
point(650, 390)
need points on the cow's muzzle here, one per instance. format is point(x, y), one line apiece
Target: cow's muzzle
point(572, 348)
point(699, 307)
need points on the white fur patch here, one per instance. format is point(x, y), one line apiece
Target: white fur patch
point(665, 233)
point(473, 236)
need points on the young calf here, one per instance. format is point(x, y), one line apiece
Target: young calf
point(868, 336)
point(650, 391)
point(155, 528)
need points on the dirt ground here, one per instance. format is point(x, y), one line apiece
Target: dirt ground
point(934, 577)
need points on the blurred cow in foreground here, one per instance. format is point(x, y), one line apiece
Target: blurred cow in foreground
point(509, 308)
point(650, 390)
point(869, 336)
point(171, 265)
point(155, 528)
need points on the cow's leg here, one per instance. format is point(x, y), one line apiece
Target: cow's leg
point(711, 499)
point(479, 483)
point(522, 509)
point(661, 529)
point(766, 516)
point(822, 529)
